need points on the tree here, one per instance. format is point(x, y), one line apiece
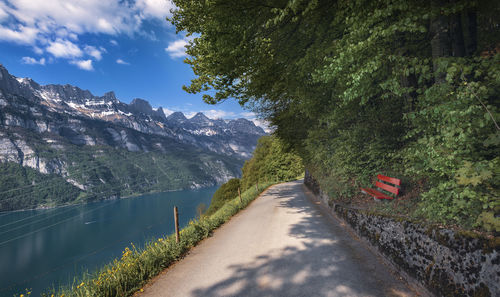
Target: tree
point(224, 193)
point(270, 162)
point(360, 87)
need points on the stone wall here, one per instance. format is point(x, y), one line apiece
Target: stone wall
point(447, 262)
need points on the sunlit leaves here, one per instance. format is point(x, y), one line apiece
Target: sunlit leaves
point(351, 86)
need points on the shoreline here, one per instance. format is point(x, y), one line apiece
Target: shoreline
point(2, 213)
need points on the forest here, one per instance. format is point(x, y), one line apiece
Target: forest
point(405, 88)
point(104, 172)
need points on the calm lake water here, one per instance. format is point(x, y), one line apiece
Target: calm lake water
point(40, 249)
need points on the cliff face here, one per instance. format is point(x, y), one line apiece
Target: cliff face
point(43, 127)
point(45, 108)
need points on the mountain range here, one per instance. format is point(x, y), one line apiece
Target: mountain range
point(61, 144)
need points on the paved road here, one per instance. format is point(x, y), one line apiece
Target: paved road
point(283, 244)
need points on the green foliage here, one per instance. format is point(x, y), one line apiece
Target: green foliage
point(358, 88)
point(488, 220)
point(450, 143)
point(224, 193)
point(106, 172)
point(271, 162)
point(23, 187)
point(126, 275)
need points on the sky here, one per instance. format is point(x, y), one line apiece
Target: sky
point(125, 46)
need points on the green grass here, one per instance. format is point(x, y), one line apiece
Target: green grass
point(128, 274)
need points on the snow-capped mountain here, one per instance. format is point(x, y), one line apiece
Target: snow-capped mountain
point(43, 126)
point(234, 137)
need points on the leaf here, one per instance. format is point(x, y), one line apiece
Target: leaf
point(492, 140)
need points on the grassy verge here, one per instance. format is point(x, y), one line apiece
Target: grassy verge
point(136, 267)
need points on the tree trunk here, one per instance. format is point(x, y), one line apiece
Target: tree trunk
point(472, 32)
point(440, 38)
point(457, 35)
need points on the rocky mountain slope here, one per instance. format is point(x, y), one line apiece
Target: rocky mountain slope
point(84, 147)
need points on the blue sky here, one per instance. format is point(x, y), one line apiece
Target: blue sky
point(125, 46)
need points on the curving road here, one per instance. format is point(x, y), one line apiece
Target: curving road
point(283, 244)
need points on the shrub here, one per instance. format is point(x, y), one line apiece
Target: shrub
point(223, 194)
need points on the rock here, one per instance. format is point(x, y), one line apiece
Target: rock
point(141, 105)
point(63, 115)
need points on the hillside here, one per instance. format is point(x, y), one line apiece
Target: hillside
point(270, 163)
point(61, 144)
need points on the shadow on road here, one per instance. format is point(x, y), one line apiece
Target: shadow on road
point(325, 263)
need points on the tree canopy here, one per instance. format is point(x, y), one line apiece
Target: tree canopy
point(364, 87)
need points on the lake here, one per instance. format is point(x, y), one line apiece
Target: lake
point(40, 249)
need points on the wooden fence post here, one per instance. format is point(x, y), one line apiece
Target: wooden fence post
point(176, 219)
point(239, 194)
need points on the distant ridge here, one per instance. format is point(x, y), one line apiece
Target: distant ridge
point(61, 129)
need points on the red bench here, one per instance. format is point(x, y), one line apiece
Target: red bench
point(389, 186)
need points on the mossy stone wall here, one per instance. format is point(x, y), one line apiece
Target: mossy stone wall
point(447, 262)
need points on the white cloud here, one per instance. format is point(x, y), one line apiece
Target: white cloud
point(90, 16)
point(159, 9)
point(212, 114)
point(151, 35)
point(37, 50)
point(167, 111)
point(83, 64)
point(64, 49)
point(20, 34)
point(218, 114)
point(263, 124)
point(177, 49)
point(248, 114)
point(55, 25)
point(258, 122)
point(190, 114)
point(33, 61)
point(94, 52)
point(3, 13)
point(113, 42)
point(120, 61)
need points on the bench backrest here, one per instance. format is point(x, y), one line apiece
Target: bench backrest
point(388, 188)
